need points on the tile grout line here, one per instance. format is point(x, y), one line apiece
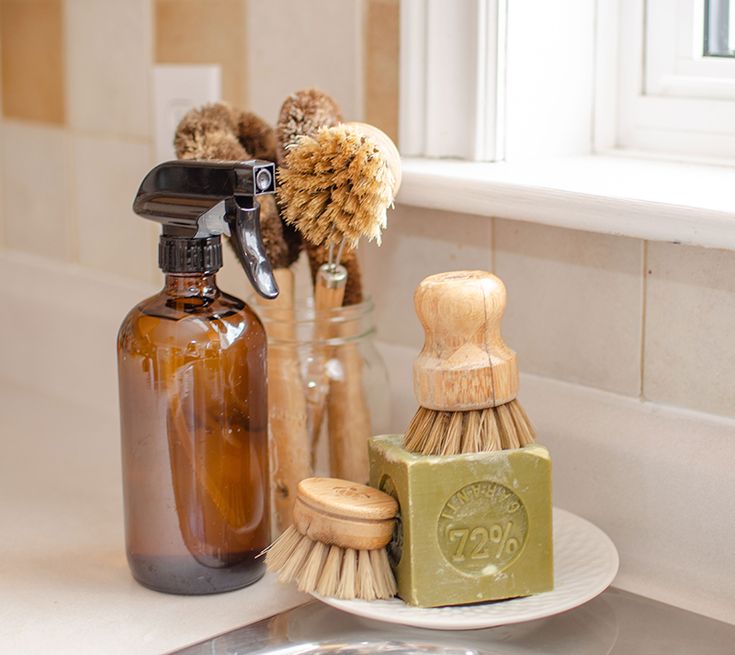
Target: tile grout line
point(492, 245)
point(644, 308)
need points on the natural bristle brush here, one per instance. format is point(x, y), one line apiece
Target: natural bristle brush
point(336, 545)
point(466, 377)
point(336, 183)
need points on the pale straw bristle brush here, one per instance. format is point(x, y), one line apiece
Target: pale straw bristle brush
point(335, 188)
point(336, 545)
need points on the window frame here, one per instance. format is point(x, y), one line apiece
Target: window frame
point(598, 91)
point(671, 100)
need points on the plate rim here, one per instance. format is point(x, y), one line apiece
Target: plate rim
point(355, 606)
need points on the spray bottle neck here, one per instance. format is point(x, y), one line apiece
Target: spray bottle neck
point(191, 285)
point(186, 255)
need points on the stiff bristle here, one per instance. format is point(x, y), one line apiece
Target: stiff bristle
point(294, 242)
point(366, 582)
point(454, 433)
point(312, 571)
point(523, 425)
point(271, 231)
point(347, 587)
point(209, 132)
point(319, 255)
point(453, 437)
point(336, 186)
point(304, 113)
point(330, 570)
point(385, 580)
point(329, 578)
point(277, 554)
point(293, 567)
point(472, 440)
point(255, 135)
point(420, 425)
point(506, 427)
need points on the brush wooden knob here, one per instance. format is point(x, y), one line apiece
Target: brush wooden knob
point(345, 514)
point(464, 364)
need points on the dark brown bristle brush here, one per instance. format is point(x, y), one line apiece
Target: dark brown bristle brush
point(221, 132)
point(304, 113)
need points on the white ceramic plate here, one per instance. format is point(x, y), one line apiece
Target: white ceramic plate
point(585, 563)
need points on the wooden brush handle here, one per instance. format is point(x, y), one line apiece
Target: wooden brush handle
point(345, 514)
point(290, 443)
point(329, 292)
point(349, 418)
point(464, 363)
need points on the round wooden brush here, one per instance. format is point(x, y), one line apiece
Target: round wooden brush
point(465, 378)
point(336, 545)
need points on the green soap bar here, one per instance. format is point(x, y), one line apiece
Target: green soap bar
point(471, 528)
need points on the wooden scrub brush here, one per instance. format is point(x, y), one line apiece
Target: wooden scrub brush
point(465, 378)
point(335, 188)
point(336, 546)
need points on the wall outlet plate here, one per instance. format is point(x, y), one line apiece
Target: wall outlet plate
point(176, 89)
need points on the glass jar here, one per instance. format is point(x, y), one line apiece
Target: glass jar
point(327, 394)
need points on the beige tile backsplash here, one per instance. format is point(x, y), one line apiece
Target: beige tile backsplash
point(76, 140)
point(205, 32)
point(690, 328)
point(419, 242)
point(36, 190)
point(575, 303)
point(108, 51)
point(381, 70)
point(306, 43)
point(111, 237)
point(33, 73)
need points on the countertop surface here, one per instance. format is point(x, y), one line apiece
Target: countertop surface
point(64, 580)
point(65, 585)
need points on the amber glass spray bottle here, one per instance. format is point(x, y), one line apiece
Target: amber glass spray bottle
point(192, 378)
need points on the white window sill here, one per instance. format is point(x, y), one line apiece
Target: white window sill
point(646, 199)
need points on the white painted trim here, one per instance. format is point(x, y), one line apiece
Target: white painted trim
point(670, 98)
point(549, 79)
point(450, 96)
point(607, 57)
point(412, 96)
point(640, 198)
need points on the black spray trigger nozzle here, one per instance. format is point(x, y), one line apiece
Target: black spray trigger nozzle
point(200, 199)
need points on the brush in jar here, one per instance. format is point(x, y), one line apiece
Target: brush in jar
point(466, 377)
point(336, 545)
point(336, 188)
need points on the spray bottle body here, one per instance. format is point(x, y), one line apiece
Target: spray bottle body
point(192, 371)
point(192, 379)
